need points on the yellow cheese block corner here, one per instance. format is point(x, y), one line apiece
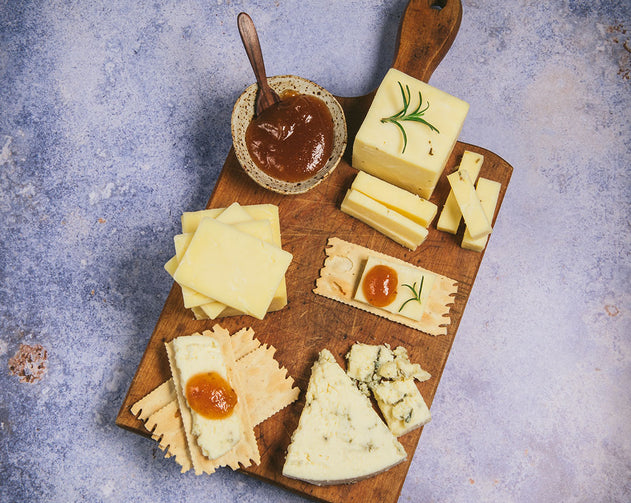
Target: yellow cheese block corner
point(379, 145)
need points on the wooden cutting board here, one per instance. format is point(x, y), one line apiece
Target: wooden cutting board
point(310, 322)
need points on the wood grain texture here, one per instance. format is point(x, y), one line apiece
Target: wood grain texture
point(310, 322)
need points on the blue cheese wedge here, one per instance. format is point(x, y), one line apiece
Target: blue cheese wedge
point(340, 438)
point(390, 376)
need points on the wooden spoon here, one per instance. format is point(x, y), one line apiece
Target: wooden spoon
point(267, 96)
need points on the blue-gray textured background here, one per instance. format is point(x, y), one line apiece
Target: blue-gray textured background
point(114, 118)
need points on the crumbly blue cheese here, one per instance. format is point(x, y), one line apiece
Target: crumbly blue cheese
point(390, 375)
point(402, 405)
point(340, 438)
point(195, 354)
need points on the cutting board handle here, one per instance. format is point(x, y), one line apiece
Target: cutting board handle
point(427, 30)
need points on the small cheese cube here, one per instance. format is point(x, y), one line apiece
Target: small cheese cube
point(469, 204)
point(412, 290)
point(488, 191)
point(379, 146)
point(402, 201)
point(450, 217)
point(233, 267)
point(397, 227)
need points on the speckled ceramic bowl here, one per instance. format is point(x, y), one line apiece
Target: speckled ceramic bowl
point(243, 113)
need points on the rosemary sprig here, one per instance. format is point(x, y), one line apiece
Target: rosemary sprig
point(415, 295)
point(403, 115)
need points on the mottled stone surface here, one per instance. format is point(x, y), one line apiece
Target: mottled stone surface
point(114, 118)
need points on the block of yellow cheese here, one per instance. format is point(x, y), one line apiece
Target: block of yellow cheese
point(390, 223)
point(233, 267)
point(395, 198)
point(488, 192)
point(469, 204)
point(450, 216)
point(379, 145)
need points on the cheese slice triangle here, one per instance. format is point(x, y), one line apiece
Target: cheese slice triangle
point(340, 438)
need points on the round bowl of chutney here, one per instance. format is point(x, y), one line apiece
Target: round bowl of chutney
point(293, 145)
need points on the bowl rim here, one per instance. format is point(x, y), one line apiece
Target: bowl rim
point(243, 112)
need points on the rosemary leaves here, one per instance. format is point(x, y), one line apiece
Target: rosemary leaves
point(403, 115)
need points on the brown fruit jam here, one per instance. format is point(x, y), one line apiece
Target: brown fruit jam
point(380, 285)
point(293, 139)
point(210, 395)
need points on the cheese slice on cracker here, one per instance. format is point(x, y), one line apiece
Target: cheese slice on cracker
point(267, 390)
point(245, 451)
point(341, 274)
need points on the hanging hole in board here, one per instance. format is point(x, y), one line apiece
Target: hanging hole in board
point(438, 4)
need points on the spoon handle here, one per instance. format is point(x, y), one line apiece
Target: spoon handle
point(250, 39)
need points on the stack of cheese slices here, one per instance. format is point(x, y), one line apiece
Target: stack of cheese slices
point(229, 261)
point(391, 210)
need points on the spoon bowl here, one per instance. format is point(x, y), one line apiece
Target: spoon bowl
point(244, 111)
point(266, 96)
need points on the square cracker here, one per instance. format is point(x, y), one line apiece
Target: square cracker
point(342, 271)
point(268, 390)
point(166, 427)
point(246, 451)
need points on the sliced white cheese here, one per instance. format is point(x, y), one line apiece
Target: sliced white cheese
point(469, 204)
point(378, 216)
point(406, 203)
point(378, 146)
point(488, 191)
point(340, 438)
point(450, 216)
point(197, 354)
point(413, 288)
